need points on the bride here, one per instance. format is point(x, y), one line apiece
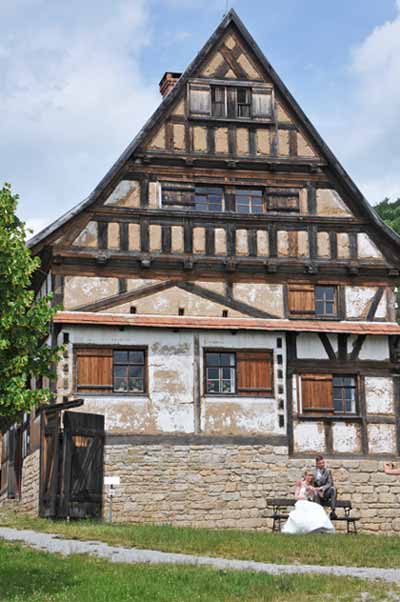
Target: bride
point(307, 517)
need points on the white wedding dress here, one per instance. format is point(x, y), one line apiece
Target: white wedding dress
point(307, 517)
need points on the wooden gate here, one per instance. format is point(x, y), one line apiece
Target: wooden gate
point(72, 465)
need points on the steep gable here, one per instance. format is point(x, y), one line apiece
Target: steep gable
point(278, 140)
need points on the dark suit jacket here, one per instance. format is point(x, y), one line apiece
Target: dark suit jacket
point(325, 481)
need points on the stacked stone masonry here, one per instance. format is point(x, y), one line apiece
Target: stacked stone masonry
point(227, 486)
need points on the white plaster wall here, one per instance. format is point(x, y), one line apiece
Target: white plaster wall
point(379, 395)
point(267, 297)
point(367, 248)
point(309, 346)
point(346, 437)
point(382, 309)
point(382, 438)
point(309, 437)
point(358, 299)
point(375, 348)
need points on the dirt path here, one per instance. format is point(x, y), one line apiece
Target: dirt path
point(66, 547)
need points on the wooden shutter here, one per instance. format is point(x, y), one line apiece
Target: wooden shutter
point(254, 373)
point(261, 102)
point(317, 392)
point(301, 299)
point(94, 370)
point(200, 99)
point(231, 102)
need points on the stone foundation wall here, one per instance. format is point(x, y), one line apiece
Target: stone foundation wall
point(28, 503)
point(227, 486)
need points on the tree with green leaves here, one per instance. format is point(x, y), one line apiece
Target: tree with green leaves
point(389, 211)
point(24, 321)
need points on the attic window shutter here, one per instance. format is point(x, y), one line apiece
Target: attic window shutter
point(261, 102)
point(254, 373)
point(94, 370)
point(301, 299)
point(317, 392)
point(200, 99)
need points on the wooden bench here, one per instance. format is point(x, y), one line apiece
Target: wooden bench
point(280, 513)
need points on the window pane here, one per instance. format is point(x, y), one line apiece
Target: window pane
point(121, 357)
point(212, 386)
point(227, 386)
point(227, 359)
point(120, 371)
point(120, 385)
point(136, 357)
point(134, 371)
point(212, 373)
point(338, 405)
point(136, 385)
point(257, 206)
point(212, 359)
point(226, 373)
point(330, 308)
point(319, 307)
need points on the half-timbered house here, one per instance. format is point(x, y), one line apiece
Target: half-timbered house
point(228, 306)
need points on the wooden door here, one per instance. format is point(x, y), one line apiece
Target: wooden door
point(50, 444)
point(81, 485)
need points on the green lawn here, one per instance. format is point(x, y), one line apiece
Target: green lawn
point(30, 576)
point(361, 550)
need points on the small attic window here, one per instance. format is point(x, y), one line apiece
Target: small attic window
point(222, 101)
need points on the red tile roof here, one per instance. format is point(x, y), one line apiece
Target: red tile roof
point(107, 319)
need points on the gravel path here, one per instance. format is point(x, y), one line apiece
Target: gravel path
point(55, 544)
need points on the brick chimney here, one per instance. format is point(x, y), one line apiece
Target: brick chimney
point(168, 82)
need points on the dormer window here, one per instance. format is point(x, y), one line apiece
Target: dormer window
point(230, 101)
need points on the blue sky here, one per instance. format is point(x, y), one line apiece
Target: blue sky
point(79, 78)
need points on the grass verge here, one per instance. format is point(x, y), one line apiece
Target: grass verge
point(31, 576)
point(342, 550)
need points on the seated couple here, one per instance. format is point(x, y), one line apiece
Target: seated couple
point(315, 491)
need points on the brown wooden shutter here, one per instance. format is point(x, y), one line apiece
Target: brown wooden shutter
point(200, 99)
point(317, 392)
point(261, 102)
point(301, 299)
point(94, 370)
point(254, 373)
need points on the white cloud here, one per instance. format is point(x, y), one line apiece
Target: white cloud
point(370, 135)
point(72, 96)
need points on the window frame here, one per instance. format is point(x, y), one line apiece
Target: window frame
point(237, 392)
point(110, 393)
point(313, 315)
point(207, 194)
point(329, 413)
point(250, 190)
point(334, 315)
point(128, 365)
point(252, 87)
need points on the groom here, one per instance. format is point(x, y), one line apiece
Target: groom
point(323, 480)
